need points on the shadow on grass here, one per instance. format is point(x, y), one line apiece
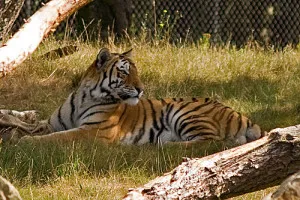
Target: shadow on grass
point(261, 94)
point(277, 117)
point(258, 90)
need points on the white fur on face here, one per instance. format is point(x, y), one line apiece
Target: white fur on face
point(123, 65)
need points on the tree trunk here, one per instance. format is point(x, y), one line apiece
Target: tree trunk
point(102, 17)
point(250, 167)
point(38, 26)
point(9, 11)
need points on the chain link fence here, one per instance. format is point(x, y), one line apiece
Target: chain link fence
point(269, 22)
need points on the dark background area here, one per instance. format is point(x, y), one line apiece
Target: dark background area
point(269, 22)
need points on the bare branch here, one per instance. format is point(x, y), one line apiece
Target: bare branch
point(37, 27)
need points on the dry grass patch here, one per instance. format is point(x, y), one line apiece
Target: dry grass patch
point(81, 187)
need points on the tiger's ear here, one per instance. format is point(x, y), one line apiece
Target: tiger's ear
point(128, 53)
point(103, 56)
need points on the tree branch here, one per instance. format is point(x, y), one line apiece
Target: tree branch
point(250, 167)
point(38, 26)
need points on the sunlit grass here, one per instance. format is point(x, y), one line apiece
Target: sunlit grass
point(261, 84)
point(63, 172)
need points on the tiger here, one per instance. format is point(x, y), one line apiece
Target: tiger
point(108, 105)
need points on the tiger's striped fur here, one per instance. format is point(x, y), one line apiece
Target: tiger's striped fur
point(108, 106)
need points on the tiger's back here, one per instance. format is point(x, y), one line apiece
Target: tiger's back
point(180, 120)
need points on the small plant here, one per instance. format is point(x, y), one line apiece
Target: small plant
point(205, 40)
point(165, 27)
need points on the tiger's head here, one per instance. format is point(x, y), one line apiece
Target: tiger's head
point(114, 77)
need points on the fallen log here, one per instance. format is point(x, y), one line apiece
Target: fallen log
point(37, 27)
point(247, 168)
point(288, 190)
point(8, 191)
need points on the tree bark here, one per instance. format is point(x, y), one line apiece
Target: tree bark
point(9, 11)
point(288, 190)
point(38, 26)
point(250, 167)
point(8, 191)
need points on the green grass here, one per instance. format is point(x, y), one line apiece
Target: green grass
point(261, 84)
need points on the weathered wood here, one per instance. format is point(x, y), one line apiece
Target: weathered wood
point(288, 190)
point(250, 167)
point(8, 191)
point(38, 26)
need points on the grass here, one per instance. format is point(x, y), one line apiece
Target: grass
point(261, 84)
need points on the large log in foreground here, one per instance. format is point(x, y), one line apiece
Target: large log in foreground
point(288, 190)
point(38, 26)
point(250, 167)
